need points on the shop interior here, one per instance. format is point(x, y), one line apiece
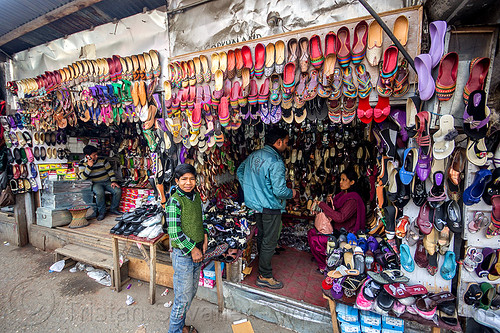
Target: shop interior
point(348, 98)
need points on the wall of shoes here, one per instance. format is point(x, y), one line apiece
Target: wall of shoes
point(107, 102)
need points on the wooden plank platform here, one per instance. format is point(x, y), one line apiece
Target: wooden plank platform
point(87, 255)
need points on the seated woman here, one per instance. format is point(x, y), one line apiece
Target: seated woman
point(348, 212)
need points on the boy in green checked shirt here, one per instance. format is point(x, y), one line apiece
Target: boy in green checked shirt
point(189, 241)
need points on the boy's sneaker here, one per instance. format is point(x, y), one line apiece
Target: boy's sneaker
point(271, 282)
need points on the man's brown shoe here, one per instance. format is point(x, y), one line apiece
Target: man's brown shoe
point(271, 283)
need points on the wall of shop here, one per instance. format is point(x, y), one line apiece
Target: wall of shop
point(223, 22)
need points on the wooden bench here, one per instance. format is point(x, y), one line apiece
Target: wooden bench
point(93, 257)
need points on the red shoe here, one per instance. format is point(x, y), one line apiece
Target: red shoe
point(260, 56)
point(224, 116)
point(247, 58)
point(315, 52)
point(447, 76)
point(332, 44)
point(231, 64)
point(478, 68)
point(289, 78)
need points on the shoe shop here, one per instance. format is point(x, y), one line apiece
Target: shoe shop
point(322, 166)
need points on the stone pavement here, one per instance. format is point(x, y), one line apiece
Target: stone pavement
point(33, 299)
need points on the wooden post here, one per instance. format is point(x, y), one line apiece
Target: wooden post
point(20, 219)
point(332, 305)
point(218, 282)
point(436, 330)
point(116, 265)
point(152, 273)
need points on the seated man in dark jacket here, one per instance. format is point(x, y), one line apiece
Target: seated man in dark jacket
point(103, 178)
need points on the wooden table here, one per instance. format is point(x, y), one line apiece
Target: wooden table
point(152, 259)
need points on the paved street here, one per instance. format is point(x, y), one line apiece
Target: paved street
point(35, 300)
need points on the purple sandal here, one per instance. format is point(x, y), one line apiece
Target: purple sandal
point(423, 165)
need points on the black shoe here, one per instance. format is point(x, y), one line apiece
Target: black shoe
point(115, 212)
point(100, 217)
point(116, 227)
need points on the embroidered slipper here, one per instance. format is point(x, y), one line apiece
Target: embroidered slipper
point(446, 81)
point(344, 52)
point(477, 152)
point(315, 52)
point(280, 57)
point(360, 42)
point(374, 43)
point(478, 69)
point(400, 29)
point(270, 56)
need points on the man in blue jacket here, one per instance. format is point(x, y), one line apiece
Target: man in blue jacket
point(263, 178)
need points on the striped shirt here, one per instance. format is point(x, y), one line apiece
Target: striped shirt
point(101, 171)
point(174, 226)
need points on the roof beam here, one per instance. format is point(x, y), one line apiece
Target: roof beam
point(47, 18)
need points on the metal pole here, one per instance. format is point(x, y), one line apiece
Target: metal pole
point(389, 33)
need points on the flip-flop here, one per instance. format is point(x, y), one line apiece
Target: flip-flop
point(444, 138)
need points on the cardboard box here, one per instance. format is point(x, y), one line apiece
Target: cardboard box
point(209, 270)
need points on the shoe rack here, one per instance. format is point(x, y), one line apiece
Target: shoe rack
point(420, 275)
point(413, 14)
point(469, 43)
point(477, 239)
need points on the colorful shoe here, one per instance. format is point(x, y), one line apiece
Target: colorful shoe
point(315, 52)
point(360, 42)
point(260, 55)
point(349, 89)
point(276, 88)
point(289, 78)
point(364, 81)
point(446, 81)
point(388, 71)
point(344, 53)
point(401, 85)
point(336, 83)
point(478, 69)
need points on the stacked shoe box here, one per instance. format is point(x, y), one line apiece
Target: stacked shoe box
point(133, 198)
point(58, 196)
point(392, 325)
point(370, 322)
point(348, 318)
point(207, 275)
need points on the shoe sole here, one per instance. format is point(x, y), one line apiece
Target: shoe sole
point(267, 285)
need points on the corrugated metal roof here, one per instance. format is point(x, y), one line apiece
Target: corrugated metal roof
point(24, 11)
point(15, 13)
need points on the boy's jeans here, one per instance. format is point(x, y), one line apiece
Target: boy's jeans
point(186, 277)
